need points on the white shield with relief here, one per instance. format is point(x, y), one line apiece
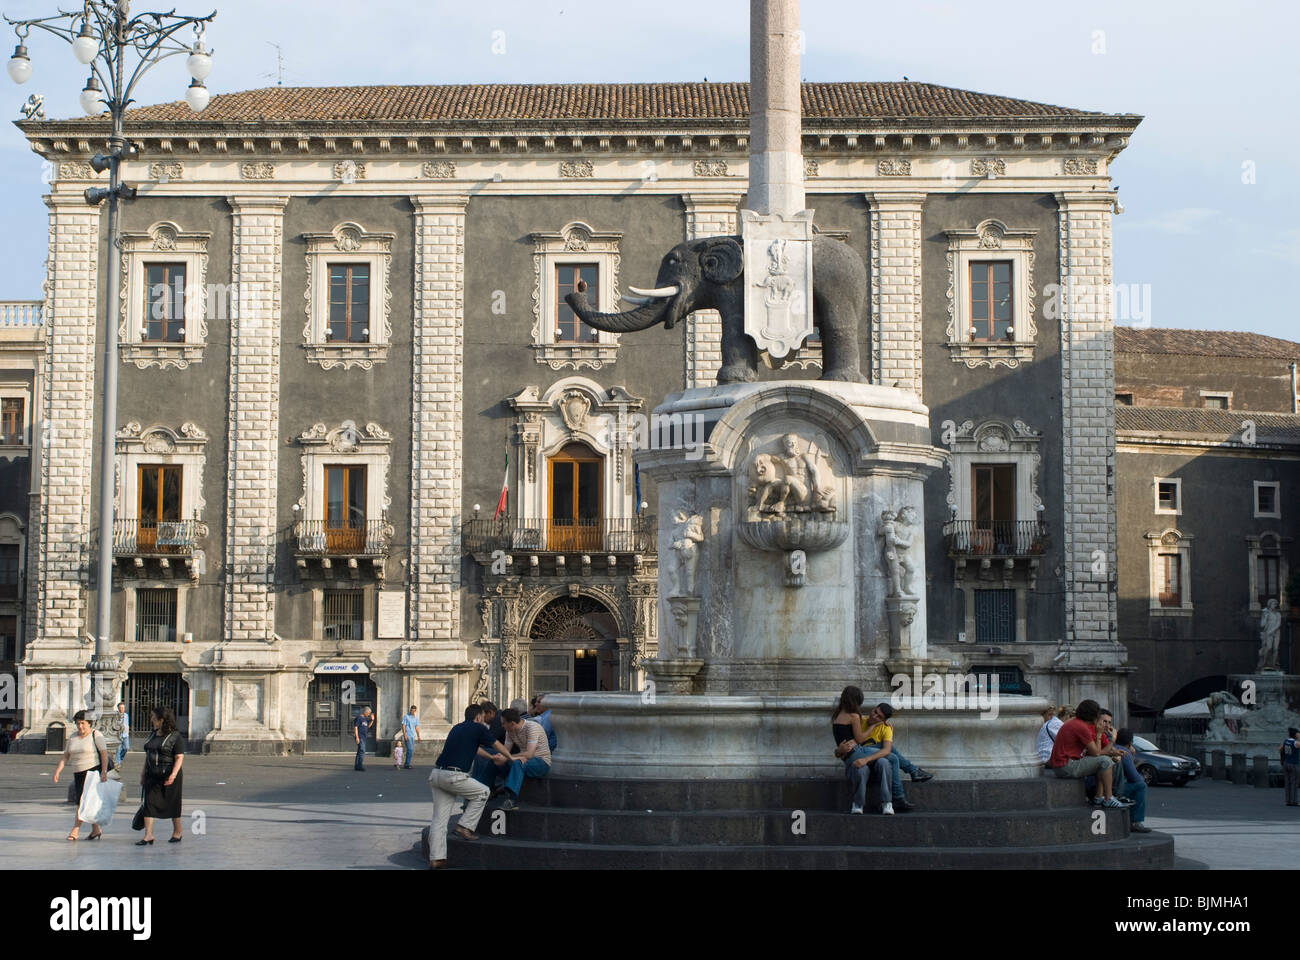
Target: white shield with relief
point(778, 280)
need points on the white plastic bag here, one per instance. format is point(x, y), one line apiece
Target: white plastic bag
point(98, 799)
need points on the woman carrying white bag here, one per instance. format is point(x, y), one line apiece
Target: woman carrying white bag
point(81, 753)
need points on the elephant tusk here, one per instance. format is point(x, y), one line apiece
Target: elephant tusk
point(639, 301)
point(657, 291)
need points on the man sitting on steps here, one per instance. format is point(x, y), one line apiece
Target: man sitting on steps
point(1077, 753)
point(533, 758)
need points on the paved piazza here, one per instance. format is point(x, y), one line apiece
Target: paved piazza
point(317, 813)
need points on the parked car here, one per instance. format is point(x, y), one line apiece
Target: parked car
point(1156, 766)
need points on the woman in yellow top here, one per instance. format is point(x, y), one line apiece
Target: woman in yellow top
point(84, 750)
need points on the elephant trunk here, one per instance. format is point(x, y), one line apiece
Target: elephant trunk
point(640, 318)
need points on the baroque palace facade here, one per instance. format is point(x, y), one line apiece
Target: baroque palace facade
point(342, 310)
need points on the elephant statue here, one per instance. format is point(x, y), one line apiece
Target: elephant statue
point(708, 274)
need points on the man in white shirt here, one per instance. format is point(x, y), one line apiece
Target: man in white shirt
point(125, 719)
point(1047, 733)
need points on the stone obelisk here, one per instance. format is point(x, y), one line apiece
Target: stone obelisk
point(776, 228)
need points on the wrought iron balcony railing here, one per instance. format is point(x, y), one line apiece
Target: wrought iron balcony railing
point(155, 538)
point(315, 539)
point(628, 535)
point(1018, 538)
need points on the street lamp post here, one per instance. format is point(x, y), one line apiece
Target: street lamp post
point(119, 49)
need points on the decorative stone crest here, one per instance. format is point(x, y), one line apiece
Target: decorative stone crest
point(710, 168)
point(574, 407)
point(165, 170)
point(1080, 166)
point(983, 166)
point(350, 170)
point(257, 170)
point(439, 169)
point(811, 168)
point(164, 237)
point(75, 170)
point(347, 238)
point(891, 167)
point(576, 169)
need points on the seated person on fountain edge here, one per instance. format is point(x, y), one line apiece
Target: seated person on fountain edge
point(1076, 753)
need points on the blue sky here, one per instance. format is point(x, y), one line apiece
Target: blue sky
point(1218, 84)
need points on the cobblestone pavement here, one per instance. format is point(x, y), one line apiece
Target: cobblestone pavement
point(316, 812)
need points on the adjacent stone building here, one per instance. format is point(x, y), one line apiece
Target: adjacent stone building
point(342, 322)
point(1208, 461)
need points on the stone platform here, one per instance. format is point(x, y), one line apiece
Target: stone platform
point(711, 824)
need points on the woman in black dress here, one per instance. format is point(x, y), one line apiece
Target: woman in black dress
point(161, 779)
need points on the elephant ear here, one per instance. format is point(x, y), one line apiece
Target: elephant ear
point(722, 261)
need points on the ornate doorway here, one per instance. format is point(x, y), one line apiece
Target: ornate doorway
point(573, 645)
point(576, 494)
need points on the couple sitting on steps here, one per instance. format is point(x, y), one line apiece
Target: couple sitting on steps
point(866, 745)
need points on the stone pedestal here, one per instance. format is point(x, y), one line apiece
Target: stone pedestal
point(790, 575)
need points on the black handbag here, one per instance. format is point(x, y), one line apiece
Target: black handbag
point(137, 822)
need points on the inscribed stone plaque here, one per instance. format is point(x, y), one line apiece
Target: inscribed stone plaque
point(392, 614)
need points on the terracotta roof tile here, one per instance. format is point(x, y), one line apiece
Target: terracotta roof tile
point(1224, 425)
point(594, 101)
point(1203, 343)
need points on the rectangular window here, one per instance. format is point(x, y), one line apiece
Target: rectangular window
point(8, 638)
point(1124, 399)
point(995, 616)
point(345, 509)
point(1168, 496)
point(349, 303)
point(8, 571)
point(990, 300)
point(568, 328)
point(1216, 401)
point(155, 616)
point(160, 503)
point(164, 303)
point(993, 506)
point(343, 614)
point(1266, 579)
point(1171, 580)
point(12, 422)
point(1266, 499)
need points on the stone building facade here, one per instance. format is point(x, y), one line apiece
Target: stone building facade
point(312, 438)
point(1208, 461)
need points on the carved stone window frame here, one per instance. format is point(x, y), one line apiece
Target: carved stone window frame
point(1177, 511)
point(991, 240)
point(574, 409)
point(1276, 513)
point(576, 242)
point(1268, 544)
point(185, 447)
point(995, 441)
point(18, 390)
point(1169, 540)
point(350, 243)
point(130, 617)
point(164, 242)
point(347, 445)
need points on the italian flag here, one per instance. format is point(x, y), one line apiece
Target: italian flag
point(505, 489)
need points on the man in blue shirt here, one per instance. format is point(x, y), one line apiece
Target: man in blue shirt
point(411, 730)
point(1132, 787)
point(450, 780)
point(1290, 753)
point(360, 732)
point(542, 715)
point(125, 719)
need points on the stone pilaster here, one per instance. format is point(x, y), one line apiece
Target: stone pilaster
point(254, 417)
point(1087, 414)
point(896, 289)
point(66, 435)
point(436, 437)
point(707, 215)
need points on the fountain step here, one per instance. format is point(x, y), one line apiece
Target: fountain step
point(829, 794)
point(1029, 828)
point(1146, 852)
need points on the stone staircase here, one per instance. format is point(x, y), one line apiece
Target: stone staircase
point(715, 824)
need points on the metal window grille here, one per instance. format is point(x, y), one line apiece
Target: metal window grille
point(995, 616)
point(343, 614)
point(155, 616)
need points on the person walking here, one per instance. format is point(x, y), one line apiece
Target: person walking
point(411, 729)
point(449, 781)
point(164, 754)
point(85, 751)
point(124, 719)
point(360, 732)
point(1290, 753)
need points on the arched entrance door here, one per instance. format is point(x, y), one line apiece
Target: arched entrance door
point(574, 647)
